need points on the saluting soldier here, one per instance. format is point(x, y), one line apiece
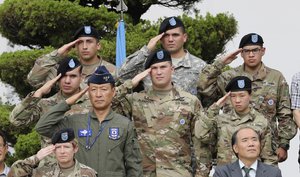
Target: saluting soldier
point(64, 146)
point(270, 92)
point(30, 110)
point(222, 126)
point(107, 140)
point(164, 117)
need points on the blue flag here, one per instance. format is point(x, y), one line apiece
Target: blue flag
point(121, 44)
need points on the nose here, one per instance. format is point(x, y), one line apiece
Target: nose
point(67, 79)
point(84, 45)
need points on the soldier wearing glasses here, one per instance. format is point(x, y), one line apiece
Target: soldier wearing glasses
point(270, 92)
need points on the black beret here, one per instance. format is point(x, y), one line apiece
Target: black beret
point(251, 39)
point(239, 83)
point(170, 23)
point(67, 64)
point(63, 136)
point(157, 56)
point(101, 76)
point(87, 31)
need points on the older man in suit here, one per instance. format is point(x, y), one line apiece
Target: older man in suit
point(246, 144)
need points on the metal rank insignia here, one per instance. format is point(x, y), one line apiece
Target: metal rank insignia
point(114, 133)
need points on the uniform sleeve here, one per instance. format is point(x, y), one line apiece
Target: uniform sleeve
point(24, 167)
point(133, 65)
point(44, 69)
point(53, 119)
point(208, 80)
point(26, 112)
point(267, 153)
point(132, 154)
point(287, 128)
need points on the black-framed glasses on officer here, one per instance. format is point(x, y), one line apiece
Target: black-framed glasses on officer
point(253, 51)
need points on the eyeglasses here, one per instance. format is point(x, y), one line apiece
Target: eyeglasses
point(254, 51)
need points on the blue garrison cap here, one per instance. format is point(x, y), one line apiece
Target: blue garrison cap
point(101, 76)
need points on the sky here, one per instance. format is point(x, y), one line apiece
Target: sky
point(276, 21)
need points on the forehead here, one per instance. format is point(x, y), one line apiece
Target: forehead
point(87, 38)
point(239, 92)
point(246, 133)
point(160, 64)
point(174, 30)
point(249, 47)
point(63, 144)
point(106, 85)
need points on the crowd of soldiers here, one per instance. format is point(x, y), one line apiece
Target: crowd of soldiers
point(153, 123)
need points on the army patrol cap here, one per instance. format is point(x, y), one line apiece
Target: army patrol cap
point(86, 31)
point(239, 83)
point(251, 39)
point(101, 76)
point(157, 56)
point(170, 23)
point(67, 64)
point(63, 136)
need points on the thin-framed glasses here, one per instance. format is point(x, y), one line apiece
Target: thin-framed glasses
point(254, 51)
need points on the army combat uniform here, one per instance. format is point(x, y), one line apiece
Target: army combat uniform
point(185, 76)
point(45, 69)
point(28, 167)
point(221, 127)
point(165, 129)
point(270, 96)
point(110, 147)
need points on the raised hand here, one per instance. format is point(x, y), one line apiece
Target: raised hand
point(222, 100)
point(152, 43)
point(46, 88)
point(230, 57)
point(65, 49)
point(72, 100)
point(139, 77)
point(42, 153)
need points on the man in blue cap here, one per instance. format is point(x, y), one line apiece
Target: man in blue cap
point(86, 41)
point(270, 92)
point(64, 146)
point(107, 140)
point(31, 108)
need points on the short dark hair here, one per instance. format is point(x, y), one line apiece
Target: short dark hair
point(3, 137)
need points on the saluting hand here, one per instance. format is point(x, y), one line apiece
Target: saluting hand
point(46, 88)
point(65, 49)
point(139, 77)
point(152, 43)
point(222, 100)
point(230, 57)
point(72, 100)
point(42, 153)
point(281, 154)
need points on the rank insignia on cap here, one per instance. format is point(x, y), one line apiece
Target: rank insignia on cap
point(160, 55)
point(114, 133)
point(64, 136)
point(172, 21)
point(87, 29)
point(241, 83)
point(254, 38)
point(71, 63)
point(182, 121)
point(106, 78)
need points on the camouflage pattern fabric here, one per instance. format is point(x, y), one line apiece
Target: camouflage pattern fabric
point(221, 127)
point(190, 66)
point(45, 69)
point(27, 167)
point(270, 96)
point(29, 111)
point(165, 129)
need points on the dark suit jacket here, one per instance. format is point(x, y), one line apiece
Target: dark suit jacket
point(234, 170)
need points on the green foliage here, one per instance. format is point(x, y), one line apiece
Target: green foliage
point(26, 146)
point(14, 67)
point(40, 23)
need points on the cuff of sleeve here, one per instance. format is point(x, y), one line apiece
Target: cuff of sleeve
point(55, 56)
point(219, 64)
point(145, 51)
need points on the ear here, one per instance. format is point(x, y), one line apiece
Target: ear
point(99, 45)
point(235, 149)
point(114, 91)
point(185, 37)
point(263, 50)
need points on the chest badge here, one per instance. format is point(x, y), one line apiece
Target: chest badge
point(182, 121)
point(84, 133)
point(270, 102)
point(114, 133)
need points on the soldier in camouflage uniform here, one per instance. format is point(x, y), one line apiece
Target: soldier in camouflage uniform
point(29, 111)
point(172, 36)
point(270, 93)
point(164, 118)
point(107, 140)
point(221, 127)
point(86, 42)
point(64, 146)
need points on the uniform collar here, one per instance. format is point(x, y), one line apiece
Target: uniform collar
point(260, 75)
point(109, 116)
point(185, 62)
